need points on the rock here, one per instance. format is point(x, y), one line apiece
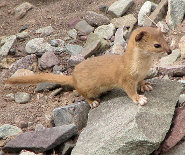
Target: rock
point(38, 45)
point(91, 49)
point(84, 27)
point(76, 113)
point(10, 97)
point(75, 59)
point(120, 7)
point(23, 124)
point(22, 97)
point(95, 19)
point(182, 47)
point(56, 92)
point(73, 22)
point(164, 27)
point(103, 8)
point(7, 45)
point(23, 35)
point(42, 140)
point(22, 63)
point(105, 31)
point(7, 130)
point(177, 131)
point(170, 59)
point(127, 21)
point(58, 69)
point(118, 126)
point(119, 38)
point(24, 27)
point(174, 71)
point(57, 42)
point(73, 49)
point(175, 14)
point(67, 147)
point(94, 37)
point(53, 43)
point(22, 72)
point(181, 99)
point(25, 152)
point(72, 33)
point(177, 150)
point(12, 51)
point(22, 10)
point(83, 38)
point(48, 60)
point(46, 31)
point(146, 9)
point(46, 86)
point(39, 127)
point(157, 14)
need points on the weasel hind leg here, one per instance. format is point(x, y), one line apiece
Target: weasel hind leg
point(92, 102)
point(145, 86)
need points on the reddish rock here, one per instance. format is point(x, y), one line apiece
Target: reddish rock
point(73, 22)
point(75, 59)
point(83, 38)
point(177, 70)
point(22, 63)
point(177, 131)
point(91, 49)
point(48, 60)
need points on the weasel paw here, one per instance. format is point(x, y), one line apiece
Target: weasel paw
point(142, 100)
point(146, 87)
point(94, 104)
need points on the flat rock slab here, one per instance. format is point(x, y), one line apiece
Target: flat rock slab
point(41, 140)
point(120, 127)
point(120, 7)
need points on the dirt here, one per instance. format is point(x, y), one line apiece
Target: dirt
point(56, 13)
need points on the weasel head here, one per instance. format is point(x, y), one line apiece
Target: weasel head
point(150, 40)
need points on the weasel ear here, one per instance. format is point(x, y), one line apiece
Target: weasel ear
point(139, 36)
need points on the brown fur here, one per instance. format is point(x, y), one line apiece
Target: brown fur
point(100, 74)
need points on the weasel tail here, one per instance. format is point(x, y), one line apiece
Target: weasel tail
point(43, 77)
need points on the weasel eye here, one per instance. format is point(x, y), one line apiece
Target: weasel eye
point(157, 45)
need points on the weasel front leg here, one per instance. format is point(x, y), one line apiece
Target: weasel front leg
point(131, 90)
point(145, 86)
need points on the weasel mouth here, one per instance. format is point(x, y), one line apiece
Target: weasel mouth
point(169, 52)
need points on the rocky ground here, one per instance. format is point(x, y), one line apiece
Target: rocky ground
point(53, 36)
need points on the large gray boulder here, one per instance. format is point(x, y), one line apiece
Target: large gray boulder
point(120, 127)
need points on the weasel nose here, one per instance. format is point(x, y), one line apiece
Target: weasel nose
point(169, 51)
